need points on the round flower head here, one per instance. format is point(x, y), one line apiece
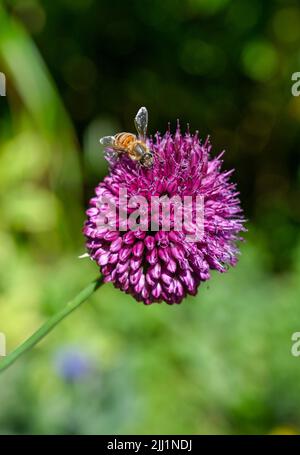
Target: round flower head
point(145, 259)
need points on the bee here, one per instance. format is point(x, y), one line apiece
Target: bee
point(135, 147)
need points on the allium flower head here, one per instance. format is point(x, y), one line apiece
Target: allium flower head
point(155, 266)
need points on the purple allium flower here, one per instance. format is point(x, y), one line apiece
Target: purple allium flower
point(164, 266)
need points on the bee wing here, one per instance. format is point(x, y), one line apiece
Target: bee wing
point(141, 122)
point(107, 140)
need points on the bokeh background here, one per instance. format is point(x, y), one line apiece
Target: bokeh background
point(78, 69)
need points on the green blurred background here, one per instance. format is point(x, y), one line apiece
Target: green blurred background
point(77, 69)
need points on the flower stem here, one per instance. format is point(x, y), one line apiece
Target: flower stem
point(50, 324)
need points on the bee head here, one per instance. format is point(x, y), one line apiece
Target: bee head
point(147, 159)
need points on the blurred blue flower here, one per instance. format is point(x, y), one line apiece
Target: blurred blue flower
point(72, 363)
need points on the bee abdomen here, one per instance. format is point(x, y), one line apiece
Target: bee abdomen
point(125, 139)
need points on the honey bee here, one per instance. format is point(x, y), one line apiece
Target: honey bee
point(135, 147)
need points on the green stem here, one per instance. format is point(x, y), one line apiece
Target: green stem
point(50, 324)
